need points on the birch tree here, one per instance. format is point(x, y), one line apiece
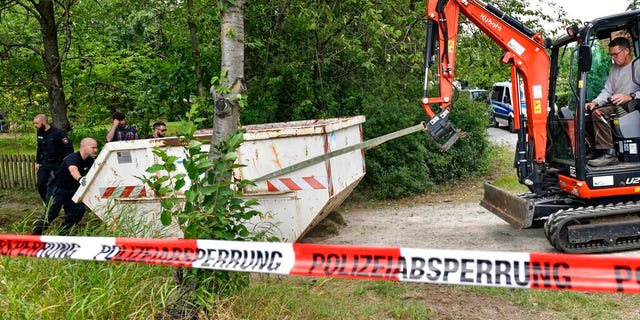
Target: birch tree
point(231, 88)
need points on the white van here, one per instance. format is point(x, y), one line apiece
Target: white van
point(501, 112)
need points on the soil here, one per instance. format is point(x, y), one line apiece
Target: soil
point(431, 226)
point(450, 225)
point(447, 225)
point(431, 221)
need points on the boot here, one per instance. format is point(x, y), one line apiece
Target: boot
point(607, 159)
point(593, 154)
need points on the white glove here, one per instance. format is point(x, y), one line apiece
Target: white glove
point(83, 181)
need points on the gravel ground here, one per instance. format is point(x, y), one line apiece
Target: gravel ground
point(445, 225)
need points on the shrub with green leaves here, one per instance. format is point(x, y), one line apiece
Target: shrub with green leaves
point(414, 163)
point(206, 203)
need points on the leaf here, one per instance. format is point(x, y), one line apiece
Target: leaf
point(165, 218)
point(155, 168)
point(231, 156)
point(194, 144)
point(236, 140)
point(191, 196)
point(171, 159)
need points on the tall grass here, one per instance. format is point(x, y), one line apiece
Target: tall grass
point(61, 289)
point(65, 289)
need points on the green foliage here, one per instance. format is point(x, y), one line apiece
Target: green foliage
point(303, 60)
point(358, 57)
point(212, 206)
point(17, 144)
point(601, 62)
point(206, 203)
point(90, 128)
point(413, 164)
point(343, 51)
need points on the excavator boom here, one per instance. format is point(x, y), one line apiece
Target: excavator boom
point(524, 52)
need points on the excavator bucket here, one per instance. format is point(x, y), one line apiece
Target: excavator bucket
point(515, 210)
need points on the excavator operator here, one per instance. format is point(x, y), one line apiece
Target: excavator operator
point(619, 89)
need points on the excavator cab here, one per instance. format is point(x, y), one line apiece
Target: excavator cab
point(582, 61)
point(583, 209)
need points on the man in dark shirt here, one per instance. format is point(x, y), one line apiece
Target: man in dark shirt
point(53, 146)
point(120, 130)
point(159, 130)
point(67, 179)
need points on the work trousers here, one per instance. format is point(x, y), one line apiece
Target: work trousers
point(59, 198)
point(43, 176)
point(598, 127)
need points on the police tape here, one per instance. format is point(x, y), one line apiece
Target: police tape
point(480, 268)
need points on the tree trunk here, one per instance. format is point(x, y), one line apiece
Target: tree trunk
point(52, 64)
point(227, 110)
point(195, 48)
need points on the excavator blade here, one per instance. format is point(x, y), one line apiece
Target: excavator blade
point(515, 210)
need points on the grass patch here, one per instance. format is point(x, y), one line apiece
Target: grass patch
point(56, 289)
point(272, 297)
point(503, 174)
point(465, 189)
point(63, 289)
point(18, 143)
point(18, 208)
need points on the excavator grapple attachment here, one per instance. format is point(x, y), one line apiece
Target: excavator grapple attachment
point(517, 211)
point(442, 131)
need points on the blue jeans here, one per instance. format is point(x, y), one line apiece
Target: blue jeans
point(58, 198)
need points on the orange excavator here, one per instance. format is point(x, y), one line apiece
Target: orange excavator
point(583, 209)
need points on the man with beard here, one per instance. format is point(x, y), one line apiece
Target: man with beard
point(120, 130)
point(53, 146)
point(159, 130)
point(67, 179)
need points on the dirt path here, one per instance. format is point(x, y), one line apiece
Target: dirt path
point(446, 225)
point(452, 224)
point(443, 225)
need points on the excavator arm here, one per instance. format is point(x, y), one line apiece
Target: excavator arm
point(524, 51)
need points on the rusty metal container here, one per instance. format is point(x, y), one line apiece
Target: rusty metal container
point(292, 203)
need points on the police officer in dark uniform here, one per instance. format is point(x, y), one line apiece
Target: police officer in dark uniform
point(53, 146)
point(66, 181)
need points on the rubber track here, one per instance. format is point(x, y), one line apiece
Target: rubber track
point(555, 229)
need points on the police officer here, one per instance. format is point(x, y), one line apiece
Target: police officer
point(67, 179)
point(53, 146)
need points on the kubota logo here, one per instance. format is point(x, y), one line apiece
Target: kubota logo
point(490, 22)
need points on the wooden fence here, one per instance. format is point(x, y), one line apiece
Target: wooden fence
point(17, 171)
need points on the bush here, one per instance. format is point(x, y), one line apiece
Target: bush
point(413, 164)
point(212, 208)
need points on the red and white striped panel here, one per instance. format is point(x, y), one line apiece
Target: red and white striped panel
point(295, 184)
point(124, 192)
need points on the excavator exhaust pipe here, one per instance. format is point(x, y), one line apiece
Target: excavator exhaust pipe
point(515, 210)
